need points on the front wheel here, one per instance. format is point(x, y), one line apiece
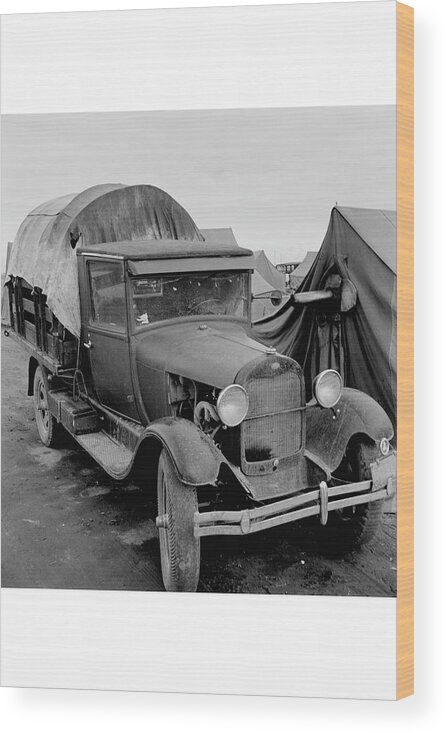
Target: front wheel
point(47, 426)
point(179, 548)
point(351, 528)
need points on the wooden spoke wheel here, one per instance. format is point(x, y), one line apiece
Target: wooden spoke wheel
point(179, 549)
point(47, 426)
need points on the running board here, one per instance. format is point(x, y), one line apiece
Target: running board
point(113, 457)
point(86, 425)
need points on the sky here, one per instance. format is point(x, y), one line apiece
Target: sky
point(258, 118)
point(200, 58)
point(272, 175)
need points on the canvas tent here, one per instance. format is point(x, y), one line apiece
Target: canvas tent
point(219, 235)
point(297, 276)
point(265, 279)
point(360, 245)
point(265, 276)
point(44, 250)
point(268, 273)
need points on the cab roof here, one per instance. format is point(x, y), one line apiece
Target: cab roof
point(163, 249)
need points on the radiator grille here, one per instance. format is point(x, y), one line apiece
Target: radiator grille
point(274, 425)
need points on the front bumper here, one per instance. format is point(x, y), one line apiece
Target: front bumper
point(318, 501)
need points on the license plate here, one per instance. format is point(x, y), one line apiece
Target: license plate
point(382, 470)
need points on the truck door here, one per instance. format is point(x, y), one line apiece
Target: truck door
point(105, 335)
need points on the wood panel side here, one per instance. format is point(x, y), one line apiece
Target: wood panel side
point(405, 352)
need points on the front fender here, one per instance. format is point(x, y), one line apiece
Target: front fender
point(329, 430)
point(196, 457)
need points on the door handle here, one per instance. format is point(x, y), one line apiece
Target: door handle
point(88, 345)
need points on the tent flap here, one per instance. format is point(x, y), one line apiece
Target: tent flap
point(360, 244)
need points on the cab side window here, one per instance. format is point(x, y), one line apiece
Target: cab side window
point(108, 294)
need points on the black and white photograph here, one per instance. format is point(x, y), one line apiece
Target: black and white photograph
point(199, 300)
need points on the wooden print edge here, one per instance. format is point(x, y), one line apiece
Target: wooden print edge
point(405, 353)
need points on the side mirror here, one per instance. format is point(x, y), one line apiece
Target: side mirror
point(276, 298)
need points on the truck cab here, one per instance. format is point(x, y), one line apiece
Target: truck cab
point(135, 307)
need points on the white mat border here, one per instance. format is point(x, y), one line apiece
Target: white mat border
point(335, 647)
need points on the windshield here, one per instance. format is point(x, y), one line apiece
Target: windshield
point(171, 296)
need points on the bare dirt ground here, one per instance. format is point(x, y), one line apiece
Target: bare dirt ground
point(66, 524)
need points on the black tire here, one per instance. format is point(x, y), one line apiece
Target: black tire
point(179, 549)
point(351, 528)
point(47, 426)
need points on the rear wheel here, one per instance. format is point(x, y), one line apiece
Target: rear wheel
point(351, 528)
point(179, 548)
point(47, 426)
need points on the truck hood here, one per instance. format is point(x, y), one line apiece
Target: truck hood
point(212, 353)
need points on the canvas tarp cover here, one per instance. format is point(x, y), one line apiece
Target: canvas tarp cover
point(43, 254)
point(360, 244)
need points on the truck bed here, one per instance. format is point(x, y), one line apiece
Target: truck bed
point(33, 323)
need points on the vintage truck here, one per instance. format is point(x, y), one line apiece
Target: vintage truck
point(141, 347)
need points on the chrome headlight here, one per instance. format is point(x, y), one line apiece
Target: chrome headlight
point(232, 405)
point(384, 446)
point(327, 388)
